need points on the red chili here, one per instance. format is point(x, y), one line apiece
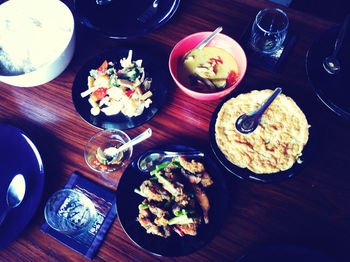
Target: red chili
point(231, 78)
point(103, 167)
point(95, 163)
point(99, 94)
point(103, 67)
point(216, 60)
point(129, 93)
point(178, 230)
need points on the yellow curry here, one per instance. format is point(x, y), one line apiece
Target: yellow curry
point(209, 69)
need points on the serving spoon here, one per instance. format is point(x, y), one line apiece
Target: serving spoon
point(204, 42)
point(14, 196)
point(331, 64)
point(143, 136)
point(248, 122)
point(148, 162)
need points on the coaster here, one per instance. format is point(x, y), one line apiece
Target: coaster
point(104, 200)
point(270, 62)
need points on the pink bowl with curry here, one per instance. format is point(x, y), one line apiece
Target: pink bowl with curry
point(221, 41)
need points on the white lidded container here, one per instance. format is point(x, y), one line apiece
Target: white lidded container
point(37, 41)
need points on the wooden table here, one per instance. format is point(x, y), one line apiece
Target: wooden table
point(312, 209)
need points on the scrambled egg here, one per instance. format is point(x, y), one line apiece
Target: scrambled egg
point(277, 142)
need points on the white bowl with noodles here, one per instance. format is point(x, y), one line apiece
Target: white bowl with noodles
point(37, 41)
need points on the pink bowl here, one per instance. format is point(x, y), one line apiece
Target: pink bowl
point(223, 41)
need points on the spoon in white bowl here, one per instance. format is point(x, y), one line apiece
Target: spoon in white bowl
point(248, 122)
point(14, 196)
point(148, 162)
point(143, 136)
point(204, 42)
point(331, 64)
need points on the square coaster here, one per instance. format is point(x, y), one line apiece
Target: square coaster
point(270, 62)
point(104, 200)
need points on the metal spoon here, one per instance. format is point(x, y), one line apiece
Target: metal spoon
point(15, 195)
point(248, 122)
point(148, 162)
point(331, 64)
point(204, 42)
point(143, 136)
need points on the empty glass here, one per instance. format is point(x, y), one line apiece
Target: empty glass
point(70, 212)
point(269, 30)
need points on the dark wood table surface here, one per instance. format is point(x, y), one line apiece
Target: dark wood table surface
point(311, 209)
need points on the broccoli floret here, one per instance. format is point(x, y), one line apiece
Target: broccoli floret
point(132, 74)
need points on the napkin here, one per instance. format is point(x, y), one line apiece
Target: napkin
point(104, 200)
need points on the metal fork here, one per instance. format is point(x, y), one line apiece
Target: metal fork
point(149, 12)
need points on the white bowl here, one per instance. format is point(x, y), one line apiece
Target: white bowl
point(43, 31)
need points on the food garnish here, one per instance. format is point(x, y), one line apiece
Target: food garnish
point(114, 90)
point(107, 158)
point(173, 202)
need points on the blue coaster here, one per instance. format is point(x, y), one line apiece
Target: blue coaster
point(270, 62)
point(104, 200)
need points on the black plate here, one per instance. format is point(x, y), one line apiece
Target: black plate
point(332, 90)
point(118, 19)
point(19, 156)
point(155, 67)
point(173, 246)
point(285, 253)
point(245, 173)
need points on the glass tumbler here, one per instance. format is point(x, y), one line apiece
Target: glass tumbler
point(70, 212)
point(269, 30)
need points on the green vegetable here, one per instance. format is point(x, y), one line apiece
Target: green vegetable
point(176, 163)
point(180, 220)
point(160, 167)
point(183, 212)
point(143, 206)
point(219, 83)
point(113, 80)
point(132, 74)
point(110, 71)
point(138, 191)
point(101, 157)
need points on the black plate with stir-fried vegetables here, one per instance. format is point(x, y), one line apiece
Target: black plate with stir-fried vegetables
point(175, 209)
point(103, 69)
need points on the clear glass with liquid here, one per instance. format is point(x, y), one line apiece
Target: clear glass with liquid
point(269, 30)
point(70, 212)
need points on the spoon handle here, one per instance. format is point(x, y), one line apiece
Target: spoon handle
point(339, 40)
point(208, 39)
point(4, 215)
point(146, 134)
point(194, 153)
point(260, 110)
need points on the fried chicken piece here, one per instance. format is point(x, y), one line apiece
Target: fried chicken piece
point(191, 166)
point(203, 201)
point(153, 191)
point(158, 227)
point(206, 180)
point(190, 228)
point(157, 209)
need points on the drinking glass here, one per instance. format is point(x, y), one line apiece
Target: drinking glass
point(70, 212)
point(269, 30)
point(108, 139)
